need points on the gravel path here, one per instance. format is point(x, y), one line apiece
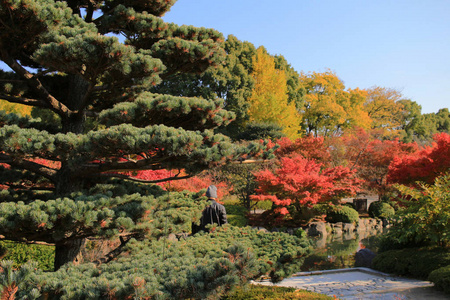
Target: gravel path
point(362, 283)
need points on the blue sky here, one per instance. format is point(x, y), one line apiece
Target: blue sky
point(400, 44)
point(390, 43)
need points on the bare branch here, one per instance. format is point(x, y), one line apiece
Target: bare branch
point(114, 253)
point(248, 161)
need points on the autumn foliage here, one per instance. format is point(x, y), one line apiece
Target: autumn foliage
point(309, 147)
point(425, 165)
point(192, 184)
point(299, 181)
point(368, 154)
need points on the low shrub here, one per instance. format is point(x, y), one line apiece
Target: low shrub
point(381, 210)
point(392, 241)
point(441, 278)
point(257, 292)
point(413, 262)
point(204, 266)
point(343, 214)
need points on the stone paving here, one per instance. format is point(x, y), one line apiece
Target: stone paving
point(361, 283)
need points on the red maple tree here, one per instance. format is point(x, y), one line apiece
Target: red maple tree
point(303, 182)
point(424, 165)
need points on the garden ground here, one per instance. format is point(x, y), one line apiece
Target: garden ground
point(362, 283)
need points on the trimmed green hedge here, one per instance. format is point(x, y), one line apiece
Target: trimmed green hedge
point(236, 214)
point(381, 210)
point(441, 278)
point(413, 262)
point(343, 214)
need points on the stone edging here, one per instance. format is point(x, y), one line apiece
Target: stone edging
point(360, 269)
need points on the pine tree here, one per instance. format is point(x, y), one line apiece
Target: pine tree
point(68, 175)
point(65, 58)
point(230, 80)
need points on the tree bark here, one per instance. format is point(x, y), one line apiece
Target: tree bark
point(75, 100)
point(69, 251)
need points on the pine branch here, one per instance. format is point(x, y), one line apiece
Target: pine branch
point(28, 242)
point(36, 168)
point(25, 101)
point(116, 252)
point(127, 166)
point(35, 83)
point(126, 177)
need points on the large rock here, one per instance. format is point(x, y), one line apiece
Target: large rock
point(348, 227)
point(317, 229)
point(364, 257)
point(350, 235)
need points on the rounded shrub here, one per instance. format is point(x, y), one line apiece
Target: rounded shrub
point(441, 278)
point(343, 214)
point(350, 204)
point(381, 210)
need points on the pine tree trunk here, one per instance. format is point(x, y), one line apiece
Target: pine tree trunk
point(69, 251)
point(78, 87)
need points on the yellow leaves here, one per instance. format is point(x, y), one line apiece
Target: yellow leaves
point(383, 106)
point(330, 108)
point(23, 110)
point(269, 99)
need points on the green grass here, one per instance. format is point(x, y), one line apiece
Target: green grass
point(21, 253)
point(260, 292)
point(236, 213)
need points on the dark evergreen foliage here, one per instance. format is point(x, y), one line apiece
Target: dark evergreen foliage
point(67, 174)
point(257, 131)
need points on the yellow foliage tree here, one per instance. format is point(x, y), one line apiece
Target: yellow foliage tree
point(328, 107)
point(269, 100)
point(384, 107)
point(23, 110)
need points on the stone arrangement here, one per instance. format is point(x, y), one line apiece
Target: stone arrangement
point(338, 229)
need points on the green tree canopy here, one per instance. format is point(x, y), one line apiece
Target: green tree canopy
point(229, 80)
point(66, 58)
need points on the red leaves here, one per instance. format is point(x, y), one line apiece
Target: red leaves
point(424, 165)
point(302, 181)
